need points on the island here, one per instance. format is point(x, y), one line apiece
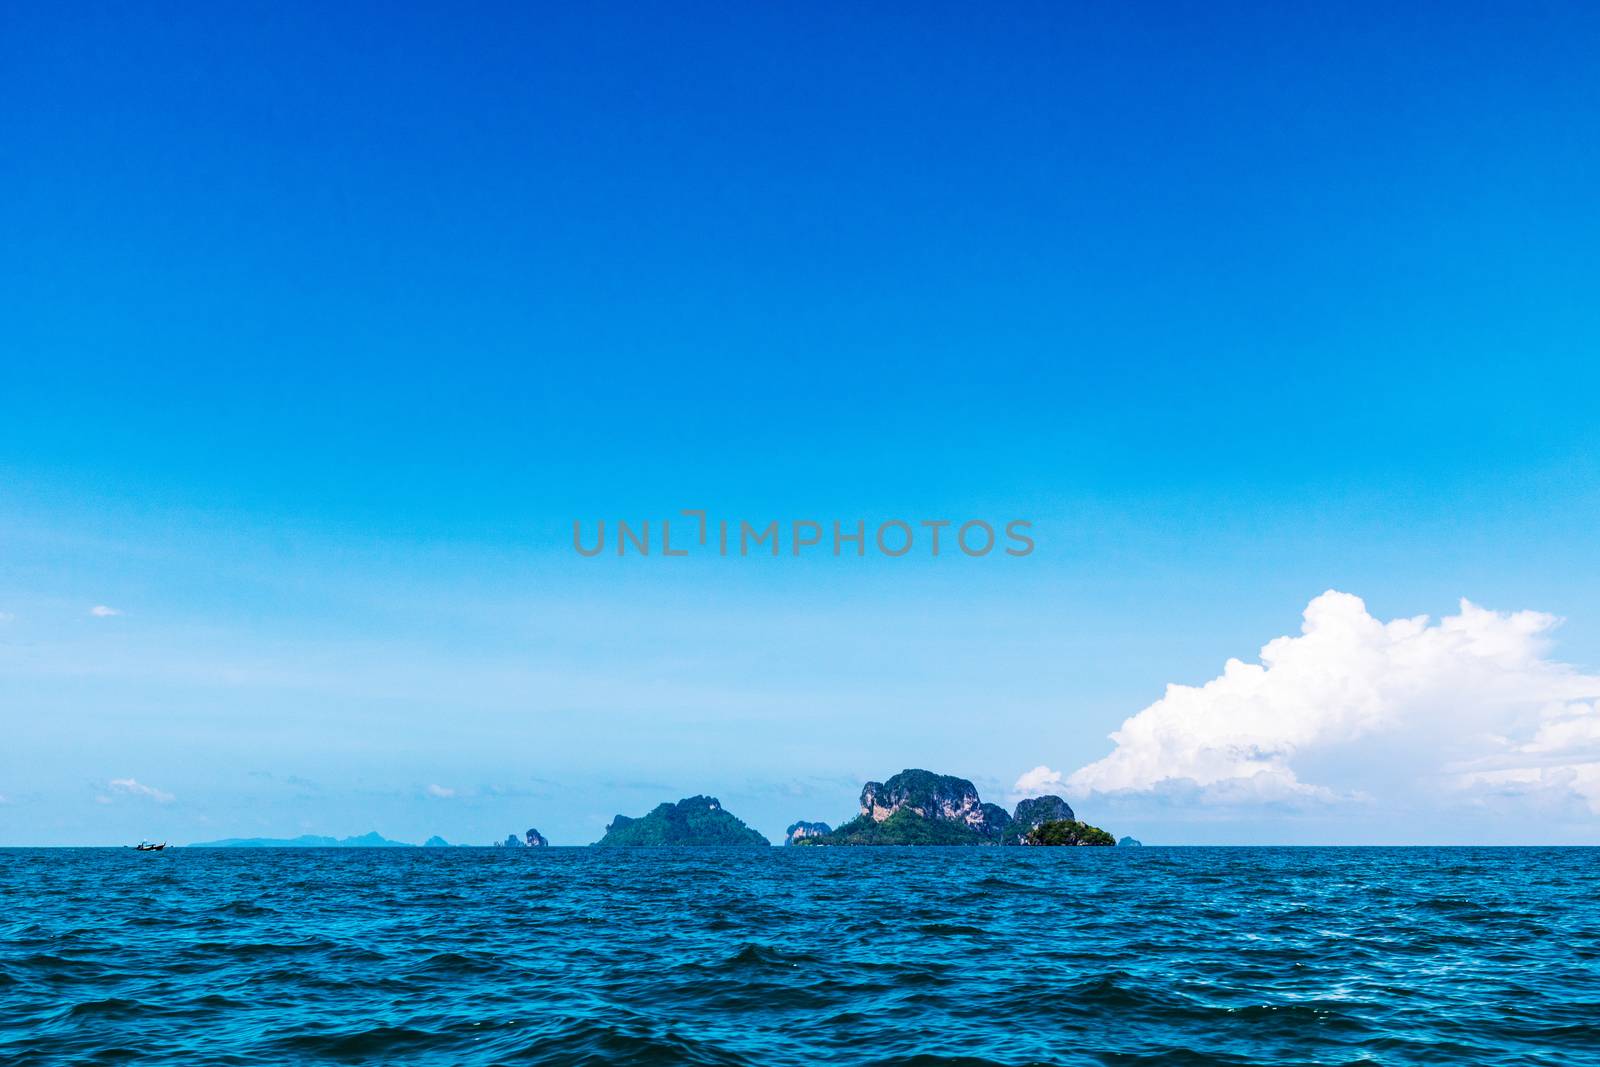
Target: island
point(917, 807)
point(697, 820)
point(532, 839)
point(803, 829)
point(1066, 832)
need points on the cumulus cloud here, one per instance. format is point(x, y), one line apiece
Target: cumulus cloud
point(100, 611)
point(442, 792)
point(132, 787)
point(1354, 708)
point(1040, 781)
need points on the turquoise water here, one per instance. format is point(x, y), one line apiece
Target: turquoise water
point(800, 956)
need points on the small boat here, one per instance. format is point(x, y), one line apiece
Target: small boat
point(146, 846)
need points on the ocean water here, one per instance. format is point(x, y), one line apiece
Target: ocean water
point(800, 956)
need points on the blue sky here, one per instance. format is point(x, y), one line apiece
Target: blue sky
point(321, 327)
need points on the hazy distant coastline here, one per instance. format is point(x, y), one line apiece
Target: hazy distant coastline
point(368, 840)
point(914, 807)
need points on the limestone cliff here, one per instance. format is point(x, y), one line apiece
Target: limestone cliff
point(917, 807)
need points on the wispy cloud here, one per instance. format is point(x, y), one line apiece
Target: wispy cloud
point(534, 787)
point(101, 611)
point(132, 787)
point(440, 791)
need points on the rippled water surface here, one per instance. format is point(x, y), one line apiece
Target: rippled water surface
point(800, 956)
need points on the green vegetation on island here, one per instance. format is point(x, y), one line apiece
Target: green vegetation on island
point(1067, 832)
point(917, 807)
point(904, 827)
point(697, 820)
point(1032, 813)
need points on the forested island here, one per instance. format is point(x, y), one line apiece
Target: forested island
point(917, 807)
point(697, 820)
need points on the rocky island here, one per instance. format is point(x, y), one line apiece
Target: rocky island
point(697, 820)
point(798, 831)
point(532, 839)
point(917, 807)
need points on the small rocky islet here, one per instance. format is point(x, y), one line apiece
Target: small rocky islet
point(801, 830)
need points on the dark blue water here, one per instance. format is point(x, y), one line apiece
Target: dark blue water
point(801, 956)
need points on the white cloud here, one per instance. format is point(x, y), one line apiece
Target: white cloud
point(6, 616)
point(442, 792)
point(132, 787)
point(100, 611)
point(1359, 709)
point(1038, 782)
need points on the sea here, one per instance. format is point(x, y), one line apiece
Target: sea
point(959, 956)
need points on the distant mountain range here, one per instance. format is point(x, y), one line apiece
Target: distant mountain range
point(368, 840)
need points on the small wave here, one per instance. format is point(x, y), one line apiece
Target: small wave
point(110, 1008)
point(245, 909)
point(459, 964)
point(591, 1044)
point(929, 1060)
point(951, 930)
point(364, 1045)
point(752, 954)
point(49, 964)
point(1449, 904)
point(1004, 884)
